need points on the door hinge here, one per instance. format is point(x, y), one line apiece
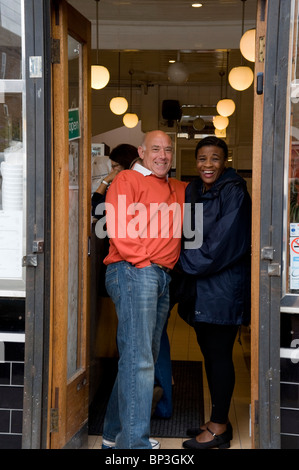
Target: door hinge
point(274, 269)
point(261, 54)
point(55, 51)
point(54, 420)
point(31, 259)
point(267, 252)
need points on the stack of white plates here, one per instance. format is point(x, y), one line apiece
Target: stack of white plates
point(12, 186)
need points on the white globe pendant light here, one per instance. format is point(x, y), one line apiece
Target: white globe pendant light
point(100, 75)
point(220, 122)
point(177, 73)
point(118, 104)
point(247, 45)
point(240, 78)
point(130, 120)
point(226, 107)
point(220, 133)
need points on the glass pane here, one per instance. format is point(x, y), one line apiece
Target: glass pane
point(292, 216)
point(12, 151)
point(10, 40)
point(74, 63)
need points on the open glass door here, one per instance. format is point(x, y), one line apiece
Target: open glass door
point(71, 227)
point(276, 405)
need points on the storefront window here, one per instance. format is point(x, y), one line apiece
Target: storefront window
point(12, 149)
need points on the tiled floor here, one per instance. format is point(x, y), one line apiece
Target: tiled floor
point(184, 347)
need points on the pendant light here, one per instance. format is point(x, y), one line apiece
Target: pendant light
point(100, 75)
point(240, 78)
point(177, 72)
point(225, 107)
point(247, 45)
point(220, 122)
point(130, 119)
point(118, 104)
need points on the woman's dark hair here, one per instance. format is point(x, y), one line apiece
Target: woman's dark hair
point(212, 140)
point(124, 154)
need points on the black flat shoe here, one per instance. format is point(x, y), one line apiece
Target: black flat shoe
point(222, 441)
point(193, 432)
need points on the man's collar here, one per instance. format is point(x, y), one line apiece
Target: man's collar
point(144, 171)
point(141, 169)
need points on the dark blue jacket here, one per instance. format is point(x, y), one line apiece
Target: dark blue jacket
point(222, 263)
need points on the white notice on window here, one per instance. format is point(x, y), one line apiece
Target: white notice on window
point(11, 238)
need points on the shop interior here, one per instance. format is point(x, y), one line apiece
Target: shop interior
point(172, 64)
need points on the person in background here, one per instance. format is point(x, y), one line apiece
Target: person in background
point(222, 270)
point(121, 158)
point(137, 280)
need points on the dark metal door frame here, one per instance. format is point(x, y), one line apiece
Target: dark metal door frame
point(38, 217)
point(273, 150)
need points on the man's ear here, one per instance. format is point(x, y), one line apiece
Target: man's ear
point(140, 152)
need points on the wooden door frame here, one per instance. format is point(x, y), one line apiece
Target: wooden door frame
point(268, 157)
point(261, 27)
point(66, 410)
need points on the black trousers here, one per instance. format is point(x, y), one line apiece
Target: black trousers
point(216, 343)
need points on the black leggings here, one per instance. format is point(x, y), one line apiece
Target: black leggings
point(216, 343)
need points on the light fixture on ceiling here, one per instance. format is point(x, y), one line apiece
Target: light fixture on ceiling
point(225, 107)
point(196, 5)
point(247, 45)
point(220, 122)
point(177, 72)
point(130, 119)
point(198, 124)
point(220, 133)
point(240, 78)
point(100, 75)
point(118, 104)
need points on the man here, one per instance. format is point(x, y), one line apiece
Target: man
point(144, 223)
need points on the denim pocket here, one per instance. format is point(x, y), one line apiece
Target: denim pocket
point(111, 281)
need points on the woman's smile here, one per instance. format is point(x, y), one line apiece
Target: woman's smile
point(210, 163)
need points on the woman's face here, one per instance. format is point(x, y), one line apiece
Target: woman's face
point(116, 166)
point(210, 163)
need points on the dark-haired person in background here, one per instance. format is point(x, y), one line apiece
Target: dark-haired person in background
point(121, 158)
point(222, 269)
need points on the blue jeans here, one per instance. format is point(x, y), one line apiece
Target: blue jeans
point(141, 298)
point(163, 377)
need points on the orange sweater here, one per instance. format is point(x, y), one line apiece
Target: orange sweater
point(138, 234)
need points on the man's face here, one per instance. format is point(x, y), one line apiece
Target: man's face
point(156, 153)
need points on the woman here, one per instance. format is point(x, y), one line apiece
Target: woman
point(121, 158)
point(222, 270)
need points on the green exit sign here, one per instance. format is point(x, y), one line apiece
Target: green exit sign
point(74, 124)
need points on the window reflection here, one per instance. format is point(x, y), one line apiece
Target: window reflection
point(10, 40)
point(12, 150)
point(293, 204)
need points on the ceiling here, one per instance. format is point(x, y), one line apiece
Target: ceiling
point(165, 10)
point(148, 33)
point(144, 35)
